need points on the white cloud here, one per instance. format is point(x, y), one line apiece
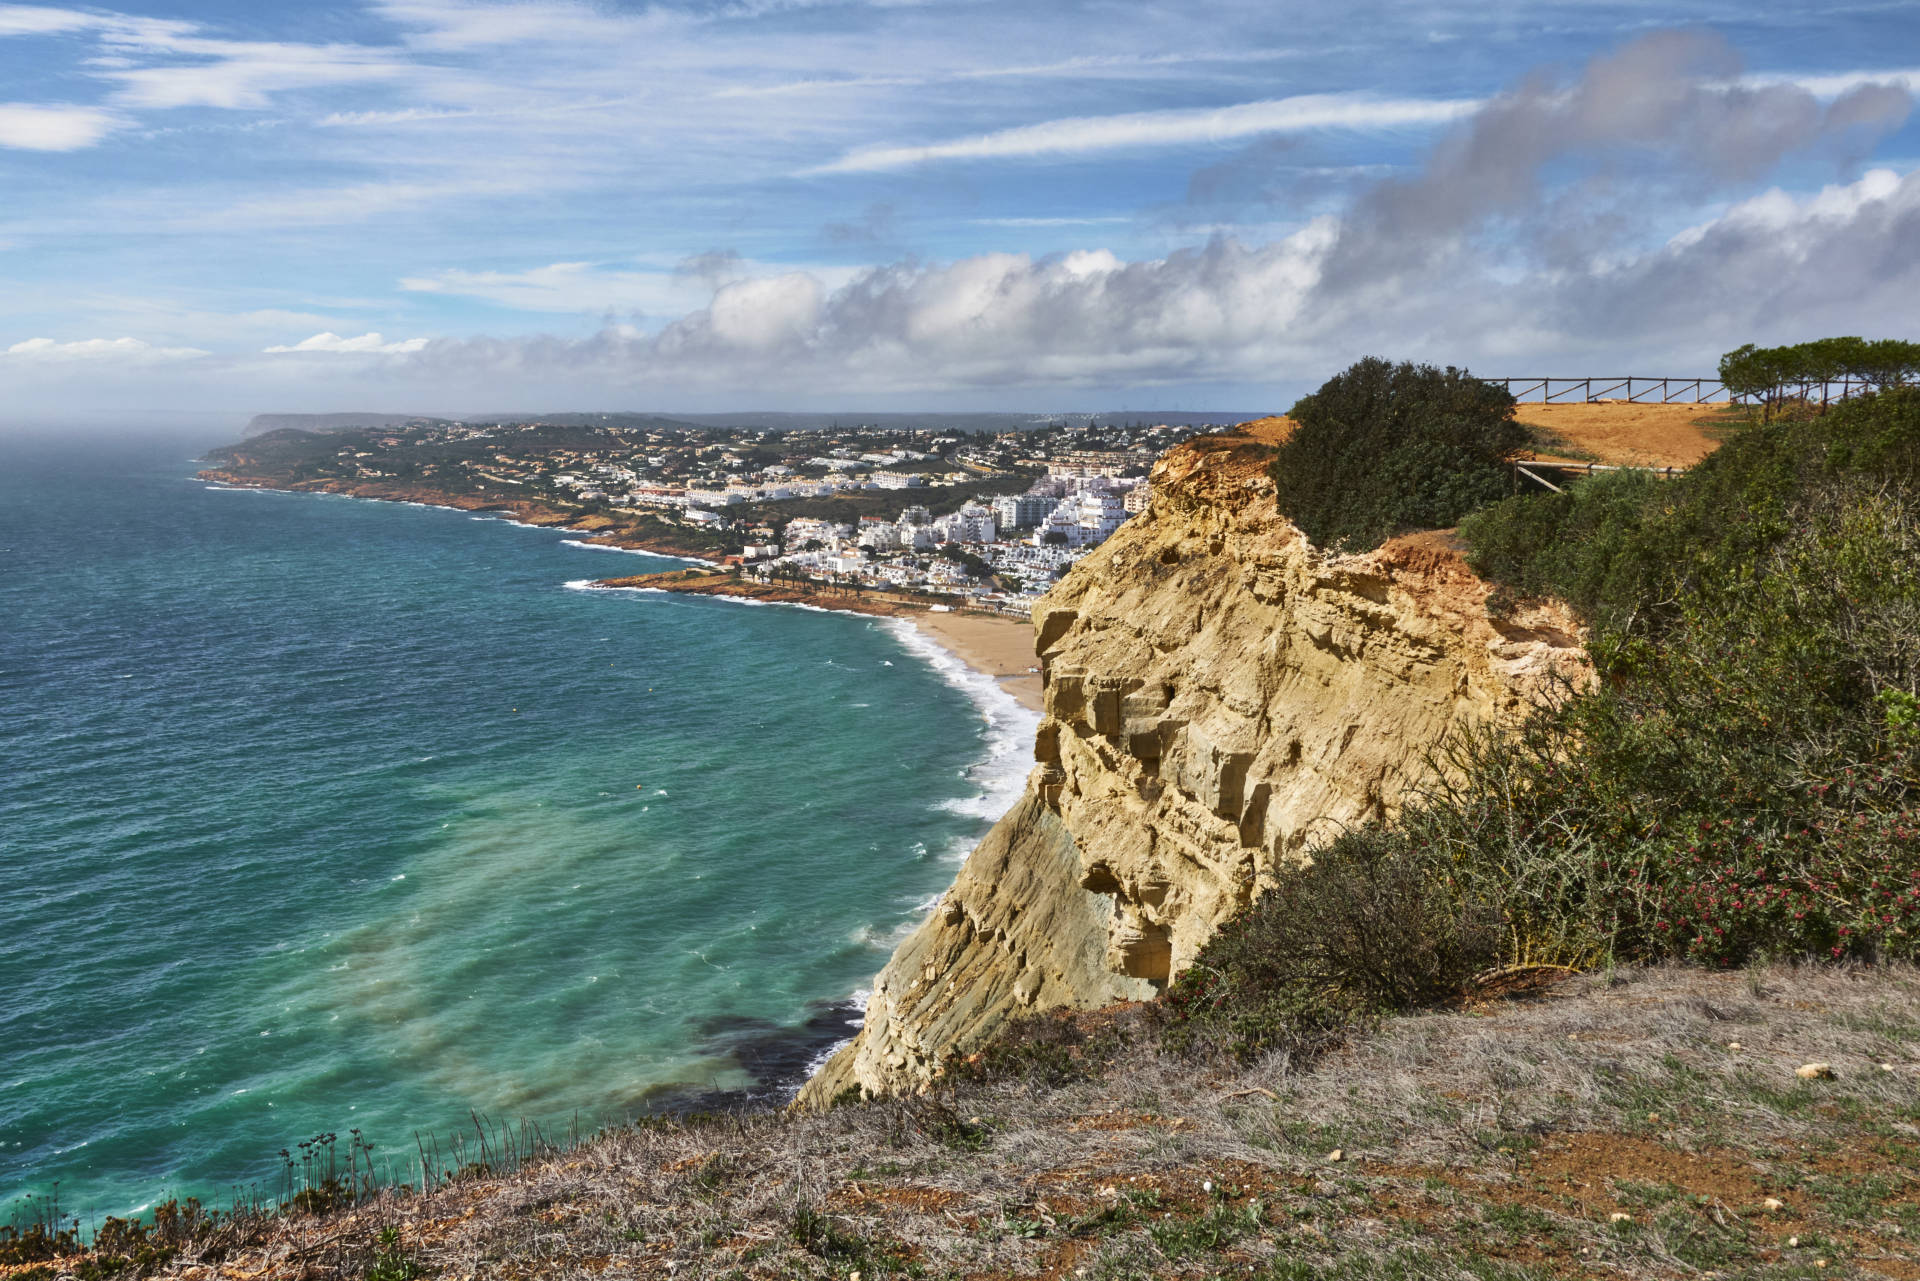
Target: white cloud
point(373, 344)
point(585, 287)
point(1083, 134)
point(1844, 82)
point(455, 25)
point(245, 76)
point(31, 127)
point(38, 20)
point(111, 349)
point(1782, 213)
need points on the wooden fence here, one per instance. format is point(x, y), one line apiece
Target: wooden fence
point(1532, 467)
point(1663, 391)
point(1648, 391)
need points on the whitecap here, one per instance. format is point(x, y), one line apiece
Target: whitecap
point(1001, 775)
point(609, 547)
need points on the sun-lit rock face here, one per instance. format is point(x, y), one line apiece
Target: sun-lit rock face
point(1218, 694)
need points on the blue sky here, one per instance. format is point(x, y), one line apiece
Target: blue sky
point(460, 206)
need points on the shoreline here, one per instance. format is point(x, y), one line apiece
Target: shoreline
point(994, 645)
point(597, 531)
point(997, 647)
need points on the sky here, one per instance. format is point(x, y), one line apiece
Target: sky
point(466, 206)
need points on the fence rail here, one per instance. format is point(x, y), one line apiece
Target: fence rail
point(1640, 391)
point(1662, 391)
point(1532, 467)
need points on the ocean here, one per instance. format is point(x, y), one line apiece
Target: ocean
point(320, 815)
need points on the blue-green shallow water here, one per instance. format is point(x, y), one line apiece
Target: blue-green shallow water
point(319, 814)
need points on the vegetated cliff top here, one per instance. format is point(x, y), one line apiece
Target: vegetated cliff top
point(1640, 1123)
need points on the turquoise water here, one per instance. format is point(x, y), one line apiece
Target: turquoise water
point(319, 814)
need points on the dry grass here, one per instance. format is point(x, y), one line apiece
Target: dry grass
point(1495, 1141)
point(1637, 434)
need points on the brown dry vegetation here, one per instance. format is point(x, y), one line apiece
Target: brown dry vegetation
point(1625, 433)
point(1499, 1140)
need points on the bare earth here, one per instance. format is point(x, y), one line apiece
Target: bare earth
point(1000, 647)
point(1643, 435)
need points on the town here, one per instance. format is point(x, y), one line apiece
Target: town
point(993, 518)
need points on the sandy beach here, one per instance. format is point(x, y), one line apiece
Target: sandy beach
point(1000, 647)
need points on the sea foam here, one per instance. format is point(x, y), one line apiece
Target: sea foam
point(1001, 773)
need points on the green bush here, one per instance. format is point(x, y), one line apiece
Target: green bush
point(1742, 779)
point(1381, 449)
point(1371, 927)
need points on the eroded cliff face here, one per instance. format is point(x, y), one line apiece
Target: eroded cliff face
point(1218, 693)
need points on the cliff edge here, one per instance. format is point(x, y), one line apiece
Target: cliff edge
point(1218, 691)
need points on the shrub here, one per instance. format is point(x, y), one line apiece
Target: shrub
point(1383, 448)
point(1741, 782)
point(1051, 1049)
point(1371, 927)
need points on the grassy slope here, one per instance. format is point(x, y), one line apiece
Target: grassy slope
point(1499, 1140)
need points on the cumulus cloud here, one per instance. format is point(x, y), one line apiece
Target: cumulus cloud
point(120, 350)
point(365, 344)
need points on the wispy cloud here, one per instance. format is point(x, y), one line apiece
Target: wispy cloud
point(1082, 135)
point(117, 350)
point(564, 287)
point(365, 344)
point(1114, 65)
point(34, 127)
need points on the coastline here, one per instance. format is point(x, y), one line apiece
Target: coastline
point(987, 655)
point(599, 531)
point(995, 648)
point(994, 645)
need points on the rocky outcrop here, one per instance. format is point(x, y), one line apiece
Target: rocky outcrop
point(1218, 692)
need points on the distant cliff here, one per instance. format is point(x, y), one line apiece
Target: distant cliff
point(1218, 691)
point(261, 424)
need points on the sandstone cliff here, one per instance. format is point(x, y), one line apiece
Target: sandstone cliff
point(1217, 692)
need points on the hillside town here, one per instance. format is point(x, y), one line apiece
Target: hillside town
point(992, 517)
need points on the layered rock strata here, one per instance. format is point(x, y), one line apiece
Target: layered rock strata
point(1218, 693)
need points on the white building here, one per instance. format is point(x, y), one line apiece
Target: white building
point(880, 535)
point(971, 524)
point(1063, 521)
point(1019, 511)
point(1101, 514)
point(802, 530)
